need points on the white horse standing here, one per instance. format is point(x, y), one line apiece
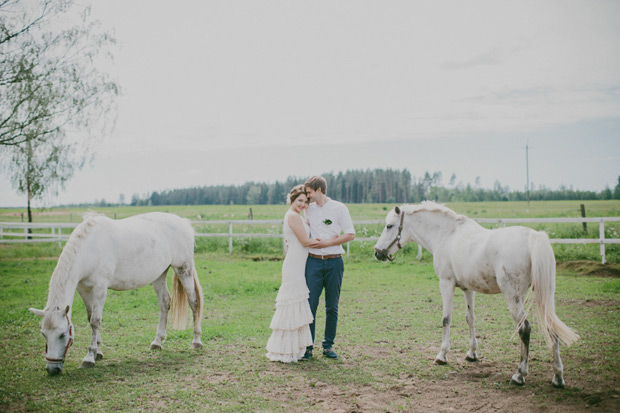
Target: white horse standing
point(121, 255)
point(473, 258)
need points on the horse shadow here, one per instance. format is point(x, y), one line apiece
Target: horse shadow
point(125, 368)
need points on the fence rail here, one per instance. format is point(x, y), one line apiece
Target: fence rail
point(9, 235)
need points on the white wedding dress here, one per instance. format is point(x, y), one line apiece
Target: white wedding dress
point(291, 321)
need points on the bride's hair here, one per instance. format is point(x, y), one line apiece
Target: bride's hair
point(294, 194)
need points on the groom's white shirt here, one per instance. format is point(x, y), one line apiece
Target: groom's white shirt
point(325, 222)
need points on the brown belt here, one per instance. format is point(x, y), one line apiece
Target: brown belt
point(324, 257)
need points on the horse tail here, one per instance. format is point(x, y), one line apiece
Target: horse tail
point(199, 299)
point(543, 285)
point(179, 304)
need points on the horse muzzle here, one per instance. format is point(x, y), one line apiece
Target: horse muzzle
point(383, 255)
point(54, 368)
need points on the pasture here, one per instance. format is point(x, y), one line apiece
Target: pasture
point(389, 334)
point(358, 211)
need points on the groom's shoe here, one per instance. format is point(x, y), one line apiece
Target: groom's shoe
point(329, 353)
point(307, 355)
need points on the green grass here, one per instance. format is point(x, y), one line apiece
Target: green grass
point(358, 211)
point(389, 333)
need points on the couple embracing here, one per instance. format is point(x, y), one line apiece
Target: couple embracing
point(313, 262)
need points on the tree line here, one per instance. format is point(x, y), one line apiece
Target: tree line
point(368, 186)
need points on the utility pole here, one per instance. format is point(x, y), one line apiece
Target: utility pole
point(527, 171)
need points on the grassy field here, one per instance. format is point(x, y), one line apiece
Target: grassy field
point(388, 335)
point(358, 211)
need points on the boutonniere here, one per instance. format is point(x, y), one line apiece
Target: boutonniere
point(327, 221)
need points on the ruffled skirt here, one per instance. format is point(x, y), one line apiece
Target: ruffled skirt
point(291, 330)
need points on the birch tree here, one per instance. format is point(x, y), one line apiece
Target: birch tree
point(51, 87)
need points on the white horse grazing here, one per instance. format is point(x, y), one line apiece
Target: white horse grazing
point(473, 258)
point(121, 255)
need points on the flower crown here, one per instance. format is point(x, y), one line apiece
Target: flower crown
point(296, 191)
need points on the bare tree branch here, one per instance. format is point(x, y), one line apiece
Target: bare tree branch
point(50, 82)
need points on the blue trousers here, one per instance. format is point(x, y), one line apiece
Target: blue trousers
point(325, 274)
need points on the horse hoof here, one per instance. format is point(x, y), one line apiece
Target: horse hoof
point(441, 362)
point(517, 380)
point(558, 382)
point(155, 347)
point(87, 365)
point(99, 356)
point(471, 359)
point(197, 345)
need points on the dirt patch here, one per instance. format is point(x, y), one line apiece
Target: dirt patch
point(264, 258)
point(35, 214)
point(590, 268)
point(593, 302)
point(477, 387)
point(29, 259)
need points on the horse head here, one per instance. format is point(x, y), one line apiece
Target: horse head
point(57, 329)
point(390, 240)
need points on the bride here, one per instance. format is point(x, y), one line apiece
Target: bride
point(291, 321)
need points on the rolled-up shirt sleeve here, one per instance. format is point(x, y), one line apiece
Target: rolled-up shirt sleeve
point(346, 222)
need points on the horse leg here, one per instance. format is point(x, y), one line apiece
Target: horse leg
point(515, 305)
point(99, 355)
point(97, 300)
point(558, 369)
point(471, 318)
point(186, 276)
point(163, 295)
point(447, 295)
point(87, 297)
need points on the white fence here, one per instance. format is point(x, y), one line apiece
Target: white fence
point(17, 232)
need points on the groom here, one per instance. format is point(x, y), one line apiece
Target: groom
point(330, 226)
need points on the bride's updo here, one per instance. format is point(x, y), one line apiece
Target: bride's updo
point(294, 194)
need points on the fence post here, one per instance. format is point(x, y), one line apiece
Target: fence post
point(59, 237)
point(230, 237)
point(601, 231)
point(583, 214)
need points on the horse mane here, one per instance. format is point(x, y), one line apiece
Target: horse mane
point(67, 258)
point(430, 206)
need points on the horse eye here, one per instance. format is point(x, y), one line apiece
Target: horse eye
point(389, 226)
point(62, 336)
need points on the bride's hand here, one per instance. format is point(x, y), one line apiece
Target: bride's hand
point(315, 243)
point(334, 237)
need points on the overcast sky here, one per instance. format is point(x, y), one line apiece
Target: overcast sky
point(232, 91)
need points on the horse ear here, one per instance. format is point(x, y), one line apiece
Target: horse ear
point(34, 311)
point(397, 210)
point(66, 311)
